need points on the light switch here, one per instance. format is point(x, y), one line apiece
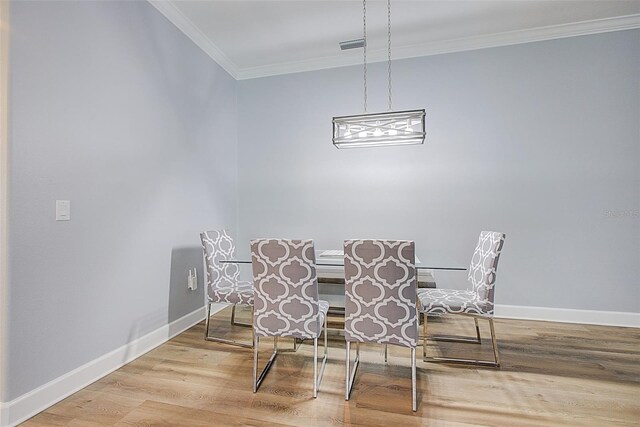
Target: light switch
point(63, 210)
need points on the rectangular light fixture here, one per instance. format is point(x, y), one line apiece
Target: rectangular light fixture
point(379, 129)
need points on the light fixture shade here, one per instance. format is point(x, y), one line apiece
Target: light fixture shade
point(379, 129)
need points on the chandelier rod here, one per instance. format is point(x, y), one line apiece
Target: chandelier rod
point(364, 36)
point(364, 53)
point(389, 48)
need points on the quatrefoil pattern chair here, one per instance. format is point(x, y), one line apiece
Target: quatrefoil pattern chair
point(223, 285)
point(380, 299)
point(477, 302)
point(286, 299)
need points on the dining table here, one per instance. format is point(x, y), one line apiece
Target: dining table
point(330, 267)
point(335, 258)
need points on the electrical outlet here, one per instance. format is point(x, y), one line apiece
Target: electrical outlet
point(192, 280)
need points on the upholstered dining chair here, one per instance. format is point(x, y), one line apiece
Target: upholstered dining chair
point(380, 300)
point(223, 285)
point(286, 300)
point(477, 302)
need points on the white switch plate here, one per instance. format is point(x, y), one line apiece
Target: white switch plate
point(63, 210)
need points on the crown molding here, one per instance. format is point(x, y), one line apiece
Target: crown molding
point(449, 46)
point(184, 24)
point(529, 35)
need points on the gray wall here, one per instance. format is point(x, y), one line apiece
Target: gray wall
point(115, 109)
point(538, 140)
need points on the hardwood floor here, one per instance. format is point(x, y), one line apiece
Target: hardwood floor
point(552, 374)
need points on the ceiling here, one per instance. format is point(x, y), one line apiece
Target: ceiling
point(267, 37)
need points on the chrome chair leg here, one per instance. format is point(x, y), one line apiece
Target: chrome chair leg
point(475, 319)
point(223, 340)
point(326, 340)
point(413, 379)
point(256, 341)
point(315, 367)
point(346, 371)
point(233, 318)
point(350, 375)
point(206, 327)
point(494, 343)
point(318, 378)
point(297, 342)
point(424, 337)
point(257, 380)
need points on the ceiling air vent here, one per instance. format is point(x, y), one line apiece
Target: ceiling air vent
point(352, 44)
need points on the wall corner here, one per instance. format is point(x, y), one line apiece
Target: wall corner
point(4, 200)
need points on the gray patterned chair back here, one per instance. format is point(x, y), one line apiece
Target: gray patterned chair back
point(484, 263)
point(285, 288)
point(218, 246)
point(380, 292)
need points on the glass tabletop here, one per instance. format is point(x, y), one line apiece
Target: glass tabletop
point(336, 262)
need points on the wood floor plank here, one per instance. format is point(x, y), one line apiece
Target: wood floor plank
point(551, 374)
point(158, 414)
point(48, 419)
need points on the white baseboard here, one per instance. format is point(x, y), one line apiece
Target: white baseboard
point(35, 401)
point(4, 414)
point(567, 315)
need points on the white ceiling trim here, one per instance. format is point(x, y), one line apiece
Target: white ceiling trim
point(450, 46)
point(175, 16)
point(184, 24)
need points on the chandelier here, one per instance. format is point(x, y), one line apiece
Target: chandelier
point(377, 129)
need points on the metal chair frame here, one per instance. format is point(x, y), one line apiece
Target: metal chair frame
point(207, 337)
point(317, 377)
point(496, 356)
point(351, 374)
point(233, 318)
